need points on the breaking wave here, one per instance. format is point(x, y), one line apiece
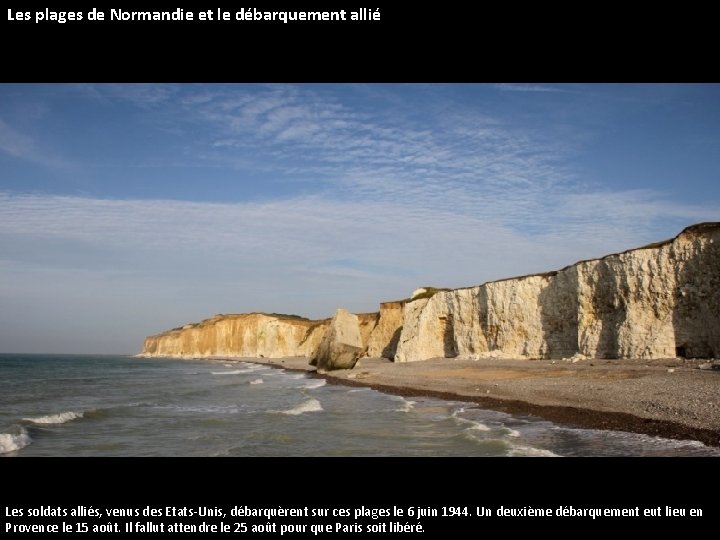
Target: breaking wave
point(529, 451)
point(472, 425)
point(407, 405)
point(59, 418)
point(10, 442)
point(311, 405)
point(477, 426)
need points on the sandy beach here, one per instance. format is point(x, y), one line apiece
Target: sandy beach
point(670, 397)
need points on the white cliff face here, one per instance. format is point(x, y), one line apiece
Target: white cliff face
point(423, 330)
point(507, 317)
point(626, 305)
point(658, 301)
point(653, 302)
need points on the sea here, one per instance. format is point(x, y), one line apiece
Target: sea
point(71, 405)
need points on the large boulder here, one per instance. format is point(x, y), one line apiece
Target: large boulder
point(341, 346)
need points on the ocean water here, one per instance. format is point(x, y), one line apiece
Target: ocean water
point(53, 405)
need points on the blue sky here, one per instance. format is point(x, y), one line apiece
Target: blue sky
point(129, 209)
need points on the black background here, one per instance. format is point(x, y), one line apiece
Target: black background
point(451, 43)
point(377, 483)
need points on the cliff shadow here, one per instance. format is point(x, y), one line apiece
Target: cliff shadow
point(391, 348)
point(610, 309)
point(450, 348)
point(490, 331)
point(696, 314)
point(558, 304)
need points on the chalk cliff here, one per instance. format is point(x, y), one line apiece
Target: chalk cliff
point(248, 335)
point(383, 339)
point(661, 300)
point(656, 301)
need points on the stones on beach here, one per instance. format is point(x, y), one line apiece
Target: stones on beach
point(710, 365)
point(341, 346)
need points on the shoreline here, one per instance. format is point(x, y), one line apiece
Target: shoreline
point(668, 398)
point(569, 416)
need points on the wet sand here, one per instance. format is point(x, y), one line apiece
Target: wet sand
point(669, 398)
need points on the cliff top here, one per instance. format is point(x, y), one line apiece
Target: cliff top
point(229, 316)
point(425, 292)
point(698, 228)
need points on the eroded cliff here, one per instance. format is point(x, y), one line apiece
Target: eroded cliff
point(658, 301)
point(383, 339)
point(249, 335)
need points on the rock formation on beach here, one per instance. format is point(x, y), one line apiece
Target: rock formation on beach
point(657, 301)
point(341, 346)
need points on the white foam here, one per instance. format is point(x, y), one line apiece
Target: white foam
point(233, 372)
point(512, 432)
point(529, 451)
point(311, 405)
point(474, 425)
point(642, 438)
point(478, 426)
point(228, 365)
point(318, 383)
point(407, 405)
point(647, 442)
point(252, 367)
point(257, 381)
point(59, 418)
point(13, 442)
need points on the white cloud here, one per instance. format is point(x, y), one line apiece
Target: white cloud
point(310, 233)
point(289, 130)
